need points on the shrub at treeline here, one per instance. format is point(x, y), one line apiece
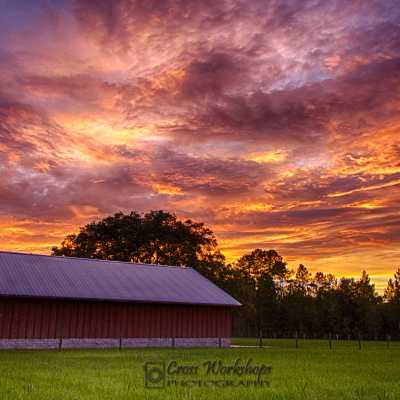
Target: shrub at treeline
point(275, 300)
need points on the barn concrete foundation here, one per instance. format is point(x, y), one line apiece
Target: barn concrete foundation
point(71, 343)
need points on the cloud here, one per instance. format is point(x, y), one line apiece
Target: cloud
point(274, 122)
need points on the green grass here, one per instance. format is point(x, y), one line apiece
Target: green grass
point(312, 371)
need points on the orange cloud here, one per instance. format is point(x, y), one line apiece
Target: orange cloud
point(277, 126)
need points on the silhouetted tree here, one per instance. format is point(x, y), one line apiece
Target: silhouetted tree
point(262, 267)
point(157, 237)
point(260, 262)
point(390, 310)
point(392, 291)
point(303, 275)
point(298, 303)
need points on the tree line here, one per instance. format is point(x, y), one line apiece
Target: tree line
point(276, 300)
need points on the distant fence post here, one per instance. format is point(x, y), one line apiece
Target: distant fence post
point(260, 338)
point(359, 340)
point(219, 342)
point(173, 342)
point(388, 341)
point(60, 344)
point(330, 340)
point(297, 339)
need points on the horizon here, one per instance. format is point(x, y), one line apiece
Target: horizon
point(291, 268)
point(277, 125)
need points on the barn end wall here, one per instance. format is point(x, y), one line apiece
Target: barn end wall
point(34, 323)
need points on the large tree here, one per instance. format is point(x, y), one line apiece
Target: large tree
point(157, 237)
point(261, 268)
point(261, 262)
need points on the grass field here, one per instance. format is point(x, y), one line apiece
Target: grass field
point(312, 371)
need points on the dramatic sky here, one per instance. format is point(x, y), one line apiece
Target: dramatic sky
point(275, 122)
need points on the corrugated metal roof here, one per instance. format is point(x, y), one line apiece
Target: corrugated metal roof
point(34, 275)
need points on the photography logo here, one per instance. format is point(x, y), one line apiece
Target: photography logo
point(206, 374)
point(154, 375)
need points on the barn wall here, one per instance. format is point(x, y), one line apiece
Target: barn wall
point(54, 319)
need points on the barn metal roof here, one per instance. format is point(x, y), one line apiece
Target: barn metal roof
point(42, 276)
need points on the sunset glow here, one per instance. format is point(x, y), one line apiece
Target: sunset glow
point(275, 123)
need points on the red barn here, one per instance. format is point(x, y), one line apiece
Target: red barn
point(48, 302)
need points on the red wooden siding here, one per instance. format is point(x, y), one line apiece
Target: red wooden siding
point(35, 319)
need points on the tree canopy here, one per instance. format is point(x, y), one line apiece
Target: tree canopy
point(263, 262)
point(157, 237)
